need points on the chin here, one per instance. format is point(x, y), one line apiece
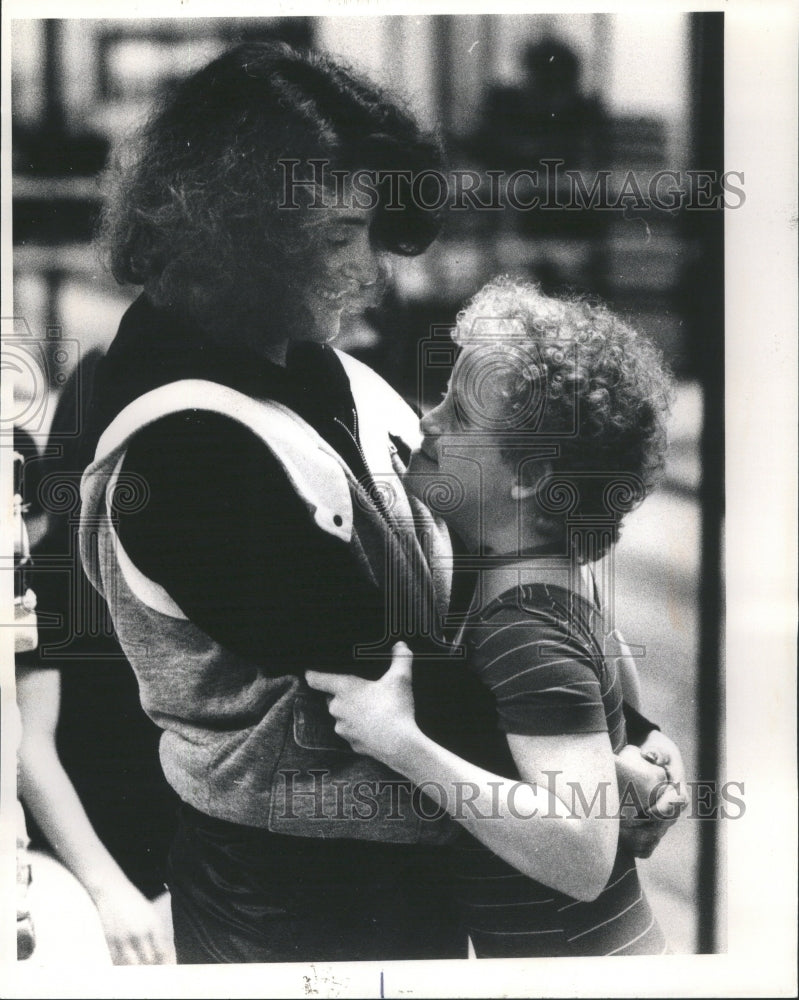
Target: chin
point(425, 481)
point(323, 333)
point(420, 466)
point(328, 336)
point(328, 327)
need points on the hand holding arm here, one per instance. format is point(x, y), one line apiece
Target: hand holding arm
point(650, 803)
point(539, 825)
point(375, 717)
point(652, 774)
point(663, 752)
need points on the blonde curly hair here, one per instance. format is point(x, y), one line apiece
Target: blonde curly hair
point(585, 382)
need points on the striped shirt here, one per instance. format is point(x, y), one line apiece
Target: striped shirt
point(537, 649)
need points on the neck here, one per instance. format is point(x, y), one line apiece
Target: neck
point(516, 554)
point(515, 538)
point(558, 571)
point(254, 343)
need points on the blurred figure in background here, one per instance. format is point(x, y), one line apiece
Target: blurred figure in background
point(25, 639)
point(89, 771)
point(546, 117)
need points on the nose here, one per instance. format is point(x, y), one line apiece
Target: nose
point(433, 426)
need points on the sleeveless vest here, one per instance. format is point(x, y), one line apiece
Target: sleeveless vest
point(240, 744)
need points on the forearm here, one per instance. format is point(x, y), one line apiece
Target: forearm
point(527, 823)
point(131, 925)
point(48, 792)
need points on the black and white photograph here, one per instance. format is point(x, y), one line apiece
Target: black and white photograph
point(399, 461)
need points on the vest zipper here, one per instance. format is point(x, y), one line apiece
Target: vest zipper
point(373, 491)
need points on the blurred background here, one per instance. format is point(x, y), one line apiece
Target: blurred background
point(600, 92)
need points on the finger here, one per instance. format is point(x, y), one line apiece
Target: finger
point(117, 951)
point(160, 950)
point(331, 683)
point(665, 810)
point(669, 804)
point(145, 949)
point(401, 662)
point(346, 702)
point(676, 771)
point(662, 759)
point(676, 794)
point(126, 954)
point(342, 730)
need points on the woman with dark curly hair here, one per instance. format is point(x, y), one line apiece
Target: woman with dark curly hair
point(553, 426)
point(230, 517)
point(208, 205)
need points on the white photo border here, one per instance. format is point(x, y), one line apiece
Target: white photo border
point(761, 560)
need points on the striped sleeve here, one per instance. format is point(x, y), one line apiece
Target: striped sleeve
point(543, 679)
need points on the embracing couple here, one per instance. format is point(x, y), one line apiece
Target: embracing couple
point(377, 758)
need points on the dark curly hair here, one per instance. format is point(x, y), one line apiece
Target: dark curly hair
point(574, 376)
point(195, 209)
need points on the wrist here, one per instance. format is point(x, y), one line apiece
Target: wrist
point(105, 883)
point(406, 749)
point(415, 756)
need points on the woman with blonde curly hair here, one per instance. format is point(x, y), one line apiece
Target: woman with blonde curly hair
point(552, 428)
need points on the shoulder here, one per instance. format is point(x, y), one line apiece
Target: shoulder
point(529, 629)
point(545, 679)
point(197, 454)
point(182, 413)
point(517, 611)
point(187, 431)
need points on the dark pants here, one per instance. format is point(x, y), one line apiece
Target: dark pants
point(245, 895)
